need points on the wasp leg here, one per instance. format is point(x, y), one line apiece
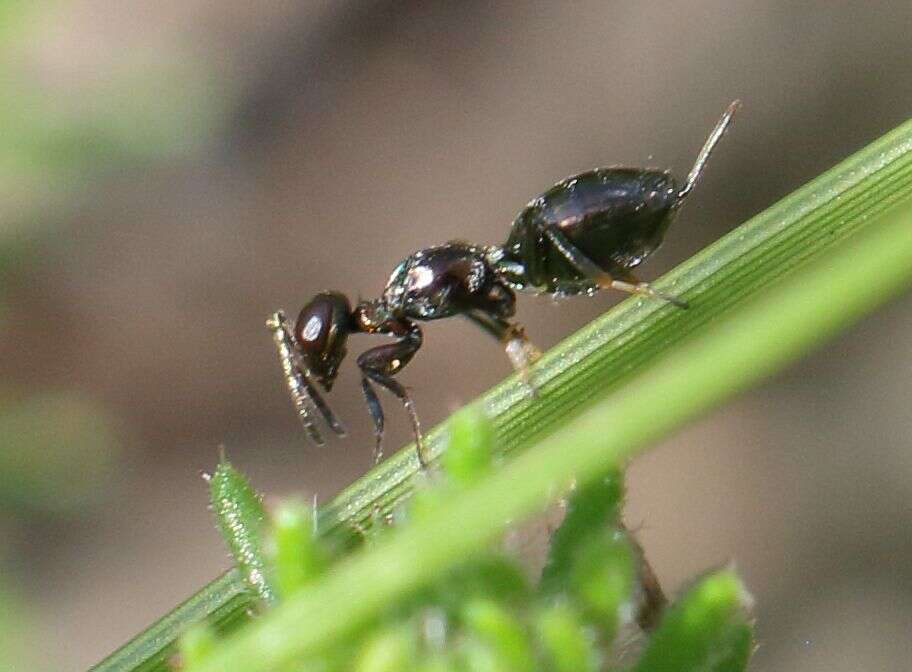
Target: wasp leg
point(324, 408)
point(628, 283)
point(376, 413)
point(520, 351)
point(378, 366)
point(298, 386)
point(603, 278)
point(394, 386)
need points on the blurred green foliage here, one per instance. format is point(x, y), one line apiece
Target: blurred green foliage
point(57, 453)
point(63, 129)
point(14, 629)
point(484, 615)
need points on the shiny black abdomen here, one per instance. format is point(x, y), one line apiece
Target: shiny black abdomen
point(615, 216)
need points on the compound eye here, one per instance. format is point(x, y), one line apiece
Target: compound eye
point(321, 332)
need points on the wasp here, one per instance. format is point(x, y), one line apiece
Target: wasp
point(585, 234)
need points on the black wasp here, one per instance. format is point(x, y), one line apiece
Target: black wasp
point(584, 234)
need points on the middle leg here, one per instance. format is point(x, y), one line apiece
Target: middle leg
point(520, 351)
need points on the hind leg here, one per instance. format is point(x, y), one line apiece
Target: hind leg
point(628, 283)
point(601, 277)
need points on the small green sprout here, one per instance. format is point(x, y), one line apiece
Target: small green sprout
point(298, 556)
point(240, 518)
point(706, 630)
point(196, 644)
point(565, 642)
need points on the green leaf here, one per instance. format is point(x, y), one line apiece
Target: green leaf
point(488, 575)
point(566, 645)
point(601, 579)
point(471, 446)
point(467, 459)
point(298, 556)
point(704, 631)
point(590, 510)
point(500, 633)
point(438, 663)
point(196, 644)
point(739, 645)
point(390, 650)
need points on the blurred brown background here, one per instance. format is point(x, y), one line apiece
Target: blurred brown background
point(170, 172)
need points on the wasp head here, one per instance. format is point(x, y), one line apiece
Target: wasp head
point(322, 332)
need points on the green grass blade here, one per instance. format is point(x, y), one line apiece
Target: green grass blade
point(224, 603)
point(599, 358)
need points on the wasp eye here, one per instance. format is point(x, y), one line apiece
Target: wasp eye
point(321, 332)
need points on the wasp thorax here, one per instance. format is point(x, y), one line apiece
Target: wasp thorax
point(321, 332)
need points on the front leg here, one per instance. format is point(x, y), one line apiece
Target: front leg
point(601, 277)
point(378, 366)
